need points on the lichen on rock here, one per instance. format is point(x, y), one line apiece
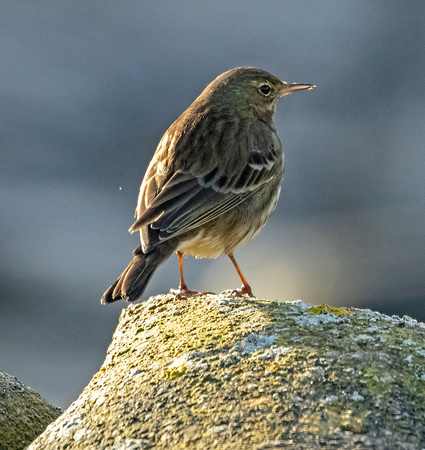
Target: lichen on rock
point(24, 414)
point(218, 371)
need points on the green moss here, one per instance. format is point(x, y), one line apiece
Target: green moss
point(379, 381)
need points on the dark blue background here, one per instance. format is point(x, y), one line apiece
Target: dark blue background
point(88, 88)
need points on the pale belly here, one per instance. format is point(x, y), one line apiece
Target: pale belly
point(232, 229)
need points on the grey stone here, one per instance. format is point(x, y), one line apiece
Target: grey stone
point(223, 372)
point(24, 414)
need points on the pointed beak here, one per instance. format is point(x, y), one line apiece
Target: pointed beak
point(288, 88)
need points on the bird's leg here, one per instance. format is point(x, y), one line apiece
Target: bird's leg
point(183, 286)
point(246, 288)
point(184, 291)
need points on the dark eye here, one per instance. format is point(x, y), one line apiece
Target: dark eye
point(265, 89)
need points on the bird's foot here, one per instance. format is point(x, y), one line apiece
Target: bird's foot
point(184, 292)
point(244, 290)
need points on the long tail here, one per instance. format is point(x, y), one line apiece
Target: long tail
point(133, 281)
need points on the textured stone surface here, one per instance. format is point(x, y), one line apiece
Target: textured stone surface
point(24, 414)
point(222, 372)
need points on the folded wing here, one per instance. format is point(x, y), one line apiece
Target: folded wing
point(174, 202)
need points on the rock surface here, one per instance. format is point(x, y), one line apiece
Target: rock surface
point(223, 372)
point(24, 414)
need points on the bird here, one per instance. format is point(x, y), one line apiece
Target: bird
point(213, 181)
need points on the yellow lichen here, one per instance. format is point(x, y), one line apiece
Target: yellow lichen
point(327, 309)
point(173, 372)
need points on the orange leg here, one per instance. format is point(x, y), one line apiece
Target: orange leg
point(246, 288)
point(183, 289)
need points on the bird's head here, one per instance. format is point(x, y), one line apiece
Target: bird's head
point(248, 91)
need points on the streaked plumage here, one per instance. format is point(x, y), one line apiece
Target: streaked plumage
point(213, 181)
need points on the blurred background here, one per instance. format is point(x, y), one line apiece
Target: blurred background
point(88, 88)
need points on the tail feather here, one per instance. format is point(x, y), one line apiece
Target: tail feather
point(131, 284)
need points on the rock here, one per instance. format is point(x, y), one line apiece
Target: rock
point(222, 372)
point(24, 414)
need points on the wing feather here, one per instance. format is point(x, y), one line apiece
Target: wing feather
point(172, 202)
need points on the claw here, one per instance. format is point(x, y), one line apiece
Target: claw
point(244, 290)
point(184, 292)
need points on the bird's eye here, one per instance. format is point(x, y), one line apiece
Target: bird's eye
point(265, 89)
